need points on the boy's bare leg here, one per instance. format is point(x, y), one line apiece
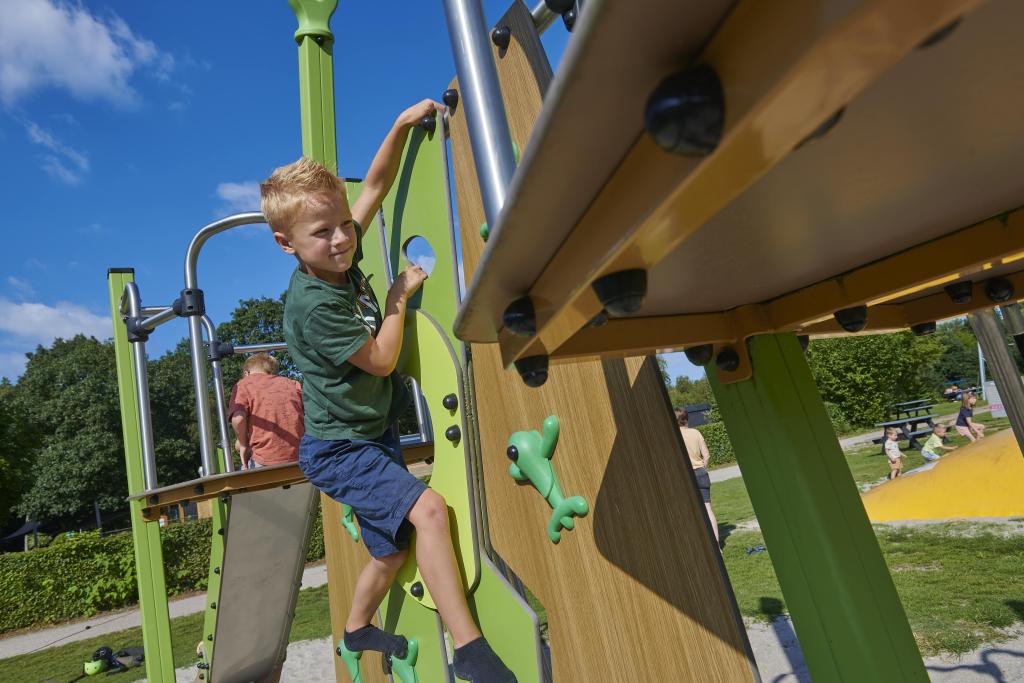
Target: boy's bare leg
point(371, 587)
point(436, 560)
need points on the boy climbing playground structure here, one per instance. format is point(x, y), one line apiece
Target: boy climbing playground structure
point(724, 177)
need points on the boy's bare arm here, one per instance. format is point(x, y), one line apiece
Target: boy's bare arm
point(240, 423)
point(384, 167)
point(379, 355)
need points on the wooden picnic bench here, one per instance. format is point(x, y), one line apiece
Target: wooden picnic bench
point(908, 407)
point(909, 429)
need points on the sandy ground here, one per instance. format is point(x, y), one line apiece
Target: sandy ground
point(775, 648)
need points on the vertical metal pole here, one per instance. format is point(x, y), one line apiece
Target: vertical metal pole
point(195, 339)
point(481, 96)
point(139, 362)
point(981, 371)
point(219, 396)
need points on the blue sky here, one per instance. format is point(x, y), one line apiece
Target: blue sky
point(127, 126)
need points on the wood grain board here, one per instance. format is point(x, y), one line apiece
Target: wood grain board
point(637, 591)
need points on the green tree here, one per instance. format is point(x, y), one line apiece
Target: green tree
point(255, 321)
point(959, 360)
point(19, 444)
point(864, 375)
point(68, 395)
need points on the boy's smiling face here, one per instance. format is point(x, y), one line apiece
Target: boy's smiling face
point(323, 237)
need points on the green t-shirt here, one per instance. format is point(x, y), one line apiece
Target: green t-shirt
point(324, 325)
point(932, 444)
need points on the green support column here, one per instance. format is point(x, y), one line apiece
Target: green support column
point(837, 587)
point(149, 559)
point(316, 79)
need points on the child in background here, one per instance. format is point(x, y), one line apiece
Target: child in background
point(933, 445)
point(893, 452)
point(965, 423)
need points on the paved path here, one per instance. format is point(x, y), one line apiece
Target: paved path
point(112, 622)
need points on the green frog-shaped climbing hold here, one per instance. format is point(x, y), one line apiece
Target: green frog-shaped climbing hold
point(531, 455)
point(404, 668)
point(348, 522)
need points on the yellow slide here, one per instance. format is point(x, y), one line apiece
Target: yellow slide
point(983, 479)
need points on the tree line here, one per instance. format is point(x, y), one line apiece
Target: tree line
point(61, 447)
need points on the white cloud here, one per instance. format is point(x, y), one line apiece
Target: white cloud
point(12, 365)
point(425, 262)
point(22, 287)
point(239, 197)
point(52, 43)
point(41, 324)
point(63, 163)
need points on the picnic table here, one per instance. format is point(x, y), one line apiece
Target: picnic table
point(911, 408)
point(909, 429)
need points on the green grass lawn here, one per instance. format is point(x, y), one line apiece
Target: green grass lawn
point(960, 583)
point(312, 620)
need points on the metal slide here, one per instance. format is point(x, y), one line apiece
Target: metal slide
point(266, 537)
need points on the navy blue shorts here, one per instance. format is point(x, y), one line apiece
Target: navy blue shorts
point(371, 476)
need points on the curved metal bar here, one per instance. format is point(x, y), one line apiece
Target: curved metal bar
point(195, 332)
point(218, 393)
point(192, 255)
point(131, 305)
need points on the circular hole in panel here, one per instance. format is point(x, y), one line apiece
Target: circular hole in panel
point(417, 250)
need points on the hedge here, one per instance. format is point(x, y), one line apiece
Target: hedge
point(81, 575)
point(718, 442)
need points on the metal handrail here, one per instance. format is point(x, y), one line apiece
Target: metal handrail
point(131, 305)
point(218, 392)
point(195, 331)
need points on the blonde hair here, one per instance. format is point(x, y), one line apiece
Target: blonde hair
point(289, 187)
point(889, 431)
point(965, 399)
point(261, 362)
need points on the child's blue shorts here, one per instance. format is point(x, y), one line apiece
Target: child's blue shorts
point(371, 476)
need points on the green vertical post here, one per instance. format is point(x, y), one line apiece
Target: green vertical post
point(316, 79)
point(837, 587)
point(149, 559)
point(219, 510)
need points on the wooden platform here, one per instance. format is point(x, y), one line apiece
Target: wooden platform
point(916, 187)
point(261, 478)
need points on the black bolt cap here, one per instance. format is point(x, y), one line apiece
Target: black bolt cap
point(533, 370)
point(453, 433)
point(559, 6)
point(513, 453)
point(623, 292)
point(939, 35)
point(960, 292)
point(198, 489)
point(852, 319)
point(921, 329)
point(519, 318)
point(501, 37)
point(154, 499)
point(569, 18)
point(209, 637)
point(216, 570)
point(450, 98)
point(700, 355)
point(450, 402)
point(417, 590)
point(686, 112)
point(213, 605)
point(727, 360)
point(429, 124)
point(823, 130)
point(804, 340)
point(999, 289)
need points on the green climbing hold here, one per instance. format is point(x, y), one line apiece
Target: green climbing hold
point(348, 522)
point(405, 668)
point(515, 152)
point(485, 231)
point(351, 661)
point(531, 455)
